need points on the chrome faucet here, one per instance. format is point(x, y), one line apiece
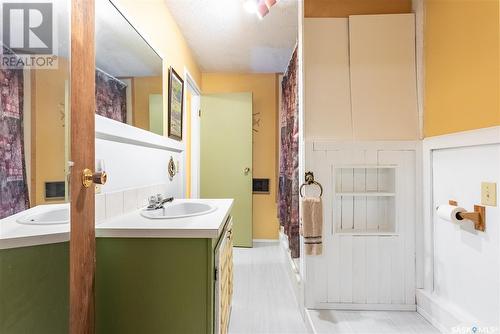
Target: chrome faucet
point(157, 202)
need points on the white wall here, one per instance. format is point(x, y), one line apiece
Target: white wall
point(136, 158)
point(462, 264)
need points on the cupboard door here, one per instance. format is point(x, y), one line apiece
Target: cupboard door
point(326, 79)
point(383, 77)
point(225, 269)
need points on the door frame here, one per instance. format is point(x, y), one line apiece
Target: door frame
point(192, 147)
point(82, 235)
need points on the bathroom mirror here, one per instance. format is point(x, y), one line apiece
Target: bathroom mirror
point(128, 72)
point(34, 128)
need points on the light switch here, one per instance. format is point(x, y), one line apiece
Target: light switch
point(489, 193)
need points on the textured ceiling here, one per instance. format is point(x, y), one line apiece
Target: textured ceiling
point(225, 38)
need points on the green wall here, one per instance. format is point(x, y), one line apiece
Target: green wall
point(34, 289)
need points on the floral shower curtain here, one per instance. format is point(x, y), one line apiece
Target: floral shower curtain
point(289, 157)
point(13, 185)
point(110, 97)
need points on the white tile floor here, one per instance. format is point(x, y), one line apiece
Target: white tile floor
point(263, 303)
point(369, 322)
point(263, 300)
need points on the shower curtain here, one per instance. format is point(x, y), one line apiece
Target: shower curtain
point(110, 97)
point(289, 157)
point(13, 184)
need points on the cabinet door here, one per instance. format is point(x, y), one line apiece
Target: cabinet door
point(326, 79)
point(225, 281)
point(383, 77)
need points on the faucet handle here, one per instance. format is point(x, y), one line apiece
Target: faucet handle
point(152, 200)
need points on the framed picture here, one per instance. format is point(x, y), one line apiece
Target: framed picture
point(175, 104)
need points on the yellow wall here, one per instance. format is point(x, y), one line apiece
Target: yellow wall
point(153, 19)
point(265, 101)
point(462, 65)
point(344, 8)
point(142, 87)
point(48, 133)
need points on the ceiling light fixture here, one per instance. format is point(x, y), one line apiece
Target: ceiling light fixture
point(259, 7)
point(270, 3)
point(250, 6)
point(262, 9)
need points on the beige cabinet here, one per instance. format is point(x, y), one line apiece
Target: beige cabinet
point(360, 78)
point(224, 280)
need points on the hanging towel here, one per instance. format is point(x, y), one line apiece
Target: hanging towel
point(311, 225)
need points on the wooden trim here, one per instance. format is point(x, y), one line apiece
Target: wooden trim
point(82, 236)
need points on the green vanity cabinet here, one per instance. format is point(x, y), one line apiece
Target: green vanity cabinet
point(155, 285)
point(34, 289)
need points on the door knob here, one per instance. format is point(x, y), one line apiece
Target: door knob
point(246, 170)
point(98, 178)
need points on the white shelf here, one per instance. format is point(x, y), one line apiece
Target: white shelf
point(365, 194)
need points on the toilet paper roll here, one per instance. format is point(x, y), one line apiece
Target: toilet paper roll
point(449, 212)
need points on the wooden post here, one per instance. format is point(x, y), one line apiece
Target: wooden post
point(82, 239)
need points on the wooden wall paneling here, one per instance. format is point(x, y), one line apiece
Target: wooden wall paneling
point(398, 271)
point(334, 270)
point(332, 239)
point(383, 77)
point(405, 190)
point(384, 269)
point(346, 269)
point(359, 270)
point(372, 270)
point(316, 273)
point(82, 237)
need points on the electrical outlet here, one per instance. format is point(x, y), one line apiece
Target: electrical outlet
point(489, 193)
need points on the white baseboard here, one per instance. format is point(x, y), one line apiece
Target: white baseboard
point(266, 240)
point(441, 314)
point(365, 307)
point(293, 272)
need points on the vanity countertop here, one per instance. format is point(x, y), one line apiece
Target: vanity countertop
point(133, 225)
point(128, 225)
point(14, 235)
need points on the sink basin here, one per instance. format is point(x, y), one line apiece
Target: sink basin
point(49, 217)
point(179, 210)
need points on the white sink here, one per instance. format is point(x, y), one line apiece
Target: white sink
point(179, 210)
point(49, 217)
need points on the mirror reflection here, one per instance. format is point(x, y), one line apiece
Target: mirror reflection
point(128, 72)
point(34, 126)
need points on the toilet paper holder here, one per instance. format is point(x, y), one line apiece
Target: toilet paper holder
point(478, 216)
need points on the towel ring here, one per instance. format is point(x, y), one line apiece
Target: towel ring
point(309, 180)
